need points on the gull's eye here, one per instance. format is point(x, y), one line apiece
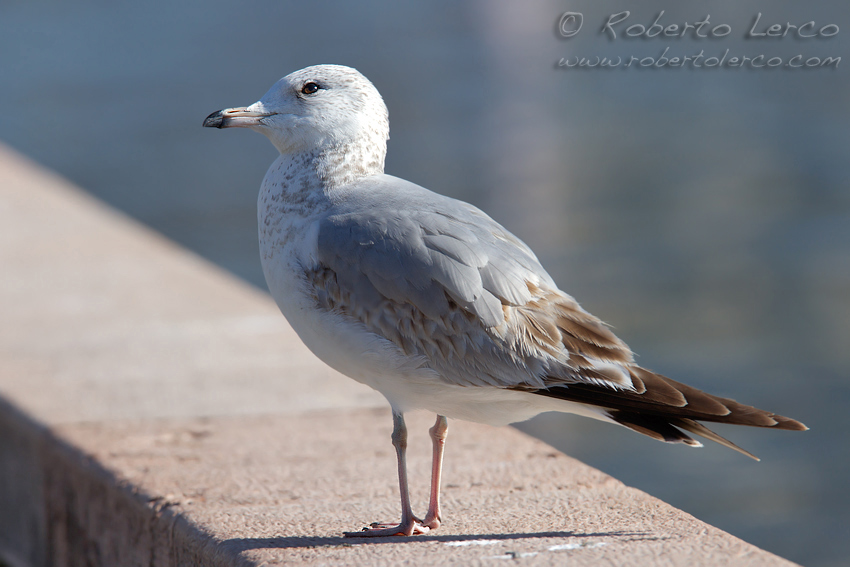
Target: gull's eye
point(309, 88)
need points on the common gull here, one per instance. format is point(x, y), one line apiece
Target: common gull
point(427, 299)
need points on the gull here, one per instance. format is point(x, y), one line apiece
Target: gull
point(427, 299)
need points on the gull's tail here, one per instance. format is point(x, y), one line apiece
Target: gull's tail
point(661, 408)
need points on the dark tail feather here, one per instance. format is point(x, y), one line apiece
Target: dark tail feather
point(653, 426)
point(660, 408)
point(665, 429)
point(658, 396)
point(703, 431)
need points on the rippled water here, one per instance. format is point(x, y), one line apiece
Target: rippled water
point(705, 212)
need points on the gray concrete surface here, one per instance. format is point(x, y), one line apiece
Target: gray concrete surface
point(154, 410)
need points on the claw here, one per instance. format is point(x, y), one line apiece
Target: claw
point(432, 523)
point(380, 529)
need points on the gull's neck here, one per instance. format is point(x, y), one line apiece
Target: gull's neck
point(342, 164)
point(330, 167)
point(302, 183)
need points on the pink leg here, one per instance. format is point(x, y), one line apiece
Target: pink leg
point(438, 438)
point(409, 524)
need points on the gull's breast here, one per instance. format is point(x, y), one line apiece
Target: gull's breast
point(288, 233)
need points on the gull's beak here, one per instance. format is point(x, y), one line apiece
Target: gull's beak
point(239, 117)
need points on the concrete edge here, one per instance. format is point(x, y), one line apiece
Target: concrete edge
point(74, 505)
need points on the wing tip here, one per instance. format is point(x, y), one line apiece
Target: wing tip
point(788, 424)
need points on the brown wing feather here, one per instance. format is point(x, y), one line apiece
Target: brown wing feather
point(558, 321)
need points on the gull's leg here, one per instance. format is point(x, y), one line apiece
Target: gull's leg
point(408, 525)
point(438, 438)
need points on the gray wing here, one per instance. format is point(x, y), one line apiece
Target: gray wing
point(441, 279)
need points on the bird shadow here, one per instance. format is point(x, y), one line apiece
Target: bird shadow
point(245, 544)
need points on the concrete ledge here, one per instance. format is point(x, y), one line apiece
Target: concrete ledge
point(157, 411)
point(62, 507)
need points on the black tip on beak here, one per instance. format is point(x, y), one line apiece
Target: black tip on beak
point(214, 120)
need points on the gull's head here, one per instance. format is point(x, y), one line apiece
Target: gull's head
point(315, 109)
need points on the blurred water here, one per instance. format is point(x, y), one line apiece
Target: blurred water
point(705, 213)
